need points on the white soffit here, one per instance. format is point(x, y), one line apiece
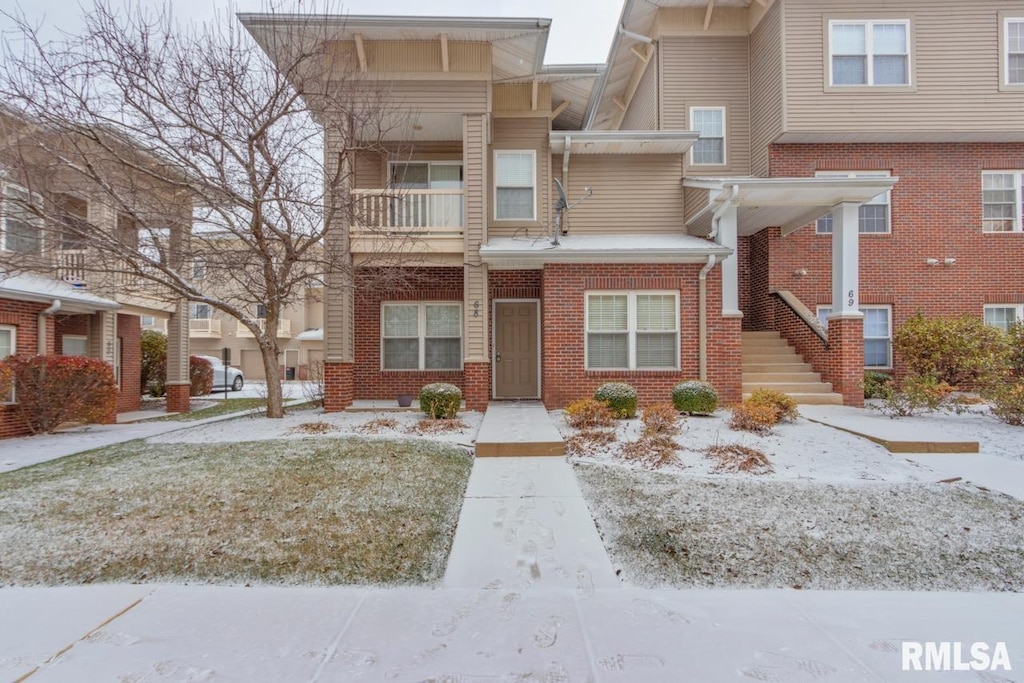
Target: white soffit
point(623, 248)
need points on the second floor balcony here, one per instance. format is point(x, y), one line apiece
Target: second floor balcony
point(409, 220)
point(284, 329)
point(204, 328)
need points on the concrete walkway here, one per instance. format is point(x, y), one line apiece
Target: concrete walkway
point(990, 471)
point(518, 428)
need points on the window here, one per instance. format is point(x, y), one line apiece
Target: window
point(869, 53)
point(431, 209)
point(8, 347)
point(1001, 198)
point(1003, 315)
point(710, 146)
point(200, 311)
point(74, 345)
point(198, 269)
point(127, 230)
point(877, 334)
point(421, 336)
point(632, 330)
point(514, 197)
point(19, 229)
point(874, 217)
point(74, 217)
point(147, 321)
point(261, 311)
point(1014, 38)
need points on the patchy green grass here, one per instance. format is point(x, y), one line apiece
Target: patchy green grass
point(324, 511)
point(222, 407)
point(683, 531)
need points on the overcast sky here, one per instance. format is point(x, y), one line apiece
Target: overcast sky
point(581, 30)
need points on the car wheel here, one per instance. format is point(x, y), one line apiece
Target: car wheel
point(237, 384)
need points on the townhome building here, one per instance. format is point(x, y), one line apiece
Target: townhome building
point(740, 179)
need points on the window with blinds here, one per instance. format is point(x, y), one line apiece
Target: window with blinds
point(632, 330)
point(421, 336)
point(514, 185)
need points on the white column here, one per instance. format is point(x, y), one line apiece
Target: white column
point(845, 260)
point(728, 237)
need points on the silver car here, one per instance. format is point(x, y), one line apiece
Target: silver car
point(224, 376)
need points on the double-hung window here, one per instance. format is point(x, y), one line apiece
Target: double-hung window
point(1013, 40)
point(632, 330)
point(200, 311)
point(421, 336)
point(19, 230)
point(1003, 316)
point(877, 334)
point(874, 217)
point(8, 346)
point(515, 185)
point(1002, 201)
point(709, 149)
point(869, 53)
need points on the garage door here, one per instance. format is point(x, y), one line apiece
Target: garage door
point(252, 364)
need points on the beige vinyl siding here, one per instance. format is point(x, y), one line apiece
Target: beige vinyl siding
point(954, 69)
point(642, 113)
point(371, 168)
point(415, 56)
point(632, 193)
point(522, 134)
point(476, 162)
point(427, 97)
point(694, 199)
point(765, 88)
point(709, 72)
point(516, 99)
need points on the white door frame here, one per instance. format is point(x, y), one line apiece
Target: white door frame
point(494, 355)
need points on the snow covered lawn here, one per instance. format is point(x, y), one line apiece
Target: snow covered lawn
point(288, 511)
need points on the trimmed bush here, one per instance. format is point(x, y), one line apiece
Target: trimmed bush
point(440, 401)
point(661, 419)
point(877, 384)
point(784, 406)
point(753, 417)
point(1007, 403)
point(51, 390)
point(200, 376)
point(695, 397)
point(619, 397)
point(1016, 340)
point(588, 414)
point(916, 394)
point(962, 352)
point(154, 363)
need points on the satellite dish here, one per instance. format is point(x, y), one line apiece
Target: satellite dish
point(563, 203)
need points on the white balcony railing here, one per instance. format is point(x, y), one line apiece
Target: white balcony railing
point(284, 328)
point(71, 265)
point(414, 212)
point(204, 327)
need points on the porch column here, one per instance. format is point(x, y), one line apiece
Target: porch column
point(178, 383)
point(846, 323)
point(475, 306)
point(728, 237)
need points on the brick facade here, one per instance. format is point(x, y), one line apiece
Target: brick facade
point(339, 389)
point(178, 398)
point(24, 317)
point(129, 330)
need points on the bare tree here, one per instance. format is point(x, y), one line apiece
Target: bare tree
point(173, 122)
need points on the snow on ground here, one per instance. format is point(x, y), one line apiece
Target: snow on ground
point(800, 450)
point(314, 423)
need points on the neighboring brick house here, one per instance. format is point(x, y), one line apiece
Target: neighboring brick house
point(755, 166)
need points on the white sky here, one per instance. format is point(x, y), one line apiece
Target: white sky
point(581, 30)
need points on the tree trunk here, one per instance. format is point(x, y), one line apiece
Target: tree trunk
point(268, 349)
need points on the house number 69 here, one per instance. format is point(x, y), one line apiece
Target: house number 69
point(850, 298)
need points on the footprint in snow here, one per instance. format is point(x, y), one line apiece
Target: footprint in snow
point(546, 634)
point(780, 668)
point(631, 662)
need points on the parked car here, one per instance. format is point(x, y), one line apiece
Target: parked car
point(233, 378)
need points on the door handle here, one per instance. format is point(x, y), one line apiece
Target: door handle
point(497, 357)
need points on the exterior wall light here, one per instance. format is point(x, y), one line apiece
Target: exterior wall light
point(931, 262)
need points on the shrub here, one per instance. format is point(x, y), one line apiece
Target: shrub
point(6, 380)
point(1016, 341)
point(587, 441)
point(200, 376)
point(754, 417)
point(737, 458)
point(661, 419)
point(877, 384)
point(784, 406)
point(52, 390)
point(961, 352)
point(588, 413)
point(619, 397)
point(695, 397)
point(1007, 403)
point(651, 450)
point(154, 362)
point(440, 401)
point(916, 394)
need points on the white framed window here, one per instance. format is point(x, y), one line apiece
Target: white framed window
point(200, 311)
point(442, 206)
point(198, 268)
point(873, 217)
point(20, 231)
point(8, 347)
point(74, 345)
point(1003, 316)
point(1002, 201)
point(261, 311)
point(709, 150)
point(515, 196)
point(877, 334)
point(636, 330)
point(421, 336)
point(74, 218)
point(875, 53)
point(1013, 41)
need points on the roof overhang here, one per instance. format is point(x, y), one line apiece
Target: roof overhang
point(40, 289)
point(787, 203)
point(572, 86)
point(511, 252)
point(312, 334)
point(623, 142)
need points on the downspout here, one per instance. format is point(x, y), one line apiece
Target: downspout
point(702, 322)
point(41, 325)
point(562, 226)
point(716, 217)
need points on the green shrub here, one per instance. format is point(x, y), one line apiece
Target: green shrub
point(619, 397)
point(1016, 341)
point(877, 384)
point(1007, 403)
point(440, 401)
point(783, 405)
point(916, 394)
point(154, 362)
point(962, 352)
point(52, 390)
point(695, 397)
point(588, 414)
point(200, 376)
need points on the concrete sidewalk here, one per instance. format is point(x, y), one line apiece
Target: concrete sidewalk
point(628, 635)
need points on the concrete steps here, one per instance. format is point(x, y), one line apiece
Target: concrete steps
point(769, 362)
point(518, 429)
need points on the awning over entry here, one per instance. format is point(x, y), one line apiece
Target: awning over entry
point(510, 252)
point(789, 203)
point(33, 287)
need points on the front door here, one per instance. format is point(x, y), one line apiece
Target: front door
point(516, 350)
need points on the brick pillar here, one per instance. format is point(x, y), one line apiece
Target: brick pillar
point(178, 397)
point(339, 386)
point(846, 358)
point(476, 385)
point(725, 356)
